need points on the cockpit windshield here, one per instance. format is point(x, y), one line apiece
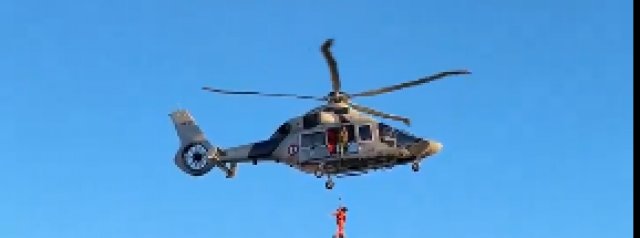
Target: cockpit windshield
point(402, 137)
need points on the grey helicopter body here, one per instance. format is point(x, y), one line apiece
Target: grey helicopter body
point(308, 142)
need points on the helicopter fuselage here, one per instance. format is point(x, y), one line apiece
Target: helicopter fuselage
point(308, 143)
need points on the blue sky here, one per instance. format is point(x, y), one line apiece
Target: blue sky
point(537, 142)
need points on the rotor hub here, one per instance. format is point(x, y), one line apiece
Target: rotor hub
point(339, 97)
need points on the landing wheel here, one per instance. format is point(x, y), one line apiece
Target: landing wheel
point(415, 167)
point(329, 184)
point(319, 172)
point(231, 173)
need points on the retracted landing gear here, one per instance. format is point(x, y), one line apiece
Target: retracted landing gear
point(415, 166)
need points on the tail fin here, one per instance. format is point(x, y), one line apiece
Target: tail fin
point(186, 127)
point(196, 156)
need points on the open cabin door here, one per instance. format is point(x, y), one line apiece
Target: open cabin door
point(315, 145)
point(332, 138)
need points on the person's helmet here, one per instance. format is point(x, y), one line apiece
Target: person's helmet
point(344, 209)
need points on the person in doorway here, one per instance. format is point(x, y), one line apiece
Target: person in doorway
point(343, 139)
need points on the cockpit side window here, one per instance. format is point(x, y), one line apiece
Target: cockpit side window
point(364, 131)
point(402, 137)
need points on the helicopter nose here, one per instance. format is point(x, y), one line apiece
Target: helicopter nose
point(425, 148)
point(434, 147)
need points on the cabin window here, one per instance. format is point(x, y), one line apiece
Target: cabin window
point(352, 132)
point(306, 140)
point(364, 131)
point(318, 139)
point(312, 139)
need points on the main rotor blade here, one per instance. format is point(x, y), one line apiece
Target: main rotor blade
point(410, 83)
point(333, 65)
point(222, 91)
point(367, 110)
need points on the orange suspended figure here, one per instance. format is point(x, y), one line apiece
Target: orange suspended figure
point(341, 219)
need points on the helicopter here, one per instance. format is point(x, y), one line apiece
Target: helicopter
point(308, 142)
